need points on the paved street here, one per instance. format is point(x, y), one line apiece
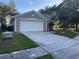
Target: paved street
point(61, 47)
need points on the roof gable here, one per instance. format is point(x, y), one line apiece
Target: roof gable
point(32, 14)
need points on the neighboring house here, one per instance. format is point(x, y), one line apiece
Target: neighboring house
point(30, 21)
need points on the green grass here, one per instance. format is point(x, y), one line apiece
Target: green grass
point(19, 42)
point(46, 57)
point(68, 34)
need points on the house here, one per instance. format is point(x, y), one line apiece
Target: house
point(30, 21)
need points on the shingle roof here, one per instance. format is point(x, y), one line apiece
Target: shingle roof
point(32, 14)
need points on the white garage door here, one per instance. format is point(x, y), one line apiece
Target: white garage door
point(31, 26)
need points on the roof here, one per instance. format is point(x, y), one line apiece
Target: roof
point(47, 16)
point(32, 14)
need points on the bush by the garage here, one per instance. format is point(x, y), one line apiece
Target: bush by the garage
point(3, 27)
point(10, 28)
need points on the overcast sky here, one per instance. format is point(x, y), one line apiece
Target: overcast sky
point(28, 5)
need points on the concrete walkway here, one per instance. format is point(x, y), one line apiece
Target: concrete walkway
point(76, 38)
point(62, 47)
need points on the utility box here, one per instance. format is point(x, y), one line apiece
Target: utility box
point(7, 35)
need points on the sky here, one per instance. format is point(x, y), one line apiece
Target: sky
point(28, 5)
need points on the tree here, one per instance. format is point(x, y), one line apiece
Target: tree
point(75, 19)
point(66, 12)
point(6, 10)
point(48, 10)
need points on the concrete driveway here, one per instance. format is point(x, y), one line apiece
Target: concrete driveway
point(62, 47)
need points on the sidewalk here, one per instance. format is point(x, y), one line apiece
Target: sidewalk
point(25, 54)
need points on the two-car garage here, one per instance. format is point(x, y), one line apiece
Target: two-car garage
point(30, 21)
point(31, 26)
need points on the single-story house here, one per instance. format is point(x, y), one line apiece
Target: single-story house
point(30, 21)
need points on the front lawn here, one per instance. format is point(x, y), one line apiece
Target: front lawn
point(46, 57)
point(19, 42)
point(68, 34)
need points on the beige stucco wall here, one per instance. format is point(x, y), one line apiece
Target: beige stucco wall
point(17, 25)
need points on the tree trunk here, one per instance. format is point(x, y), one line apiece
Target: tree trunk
point(76, 27)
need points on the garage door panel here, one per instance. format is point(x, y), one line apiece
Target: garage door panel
point(31, 26)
